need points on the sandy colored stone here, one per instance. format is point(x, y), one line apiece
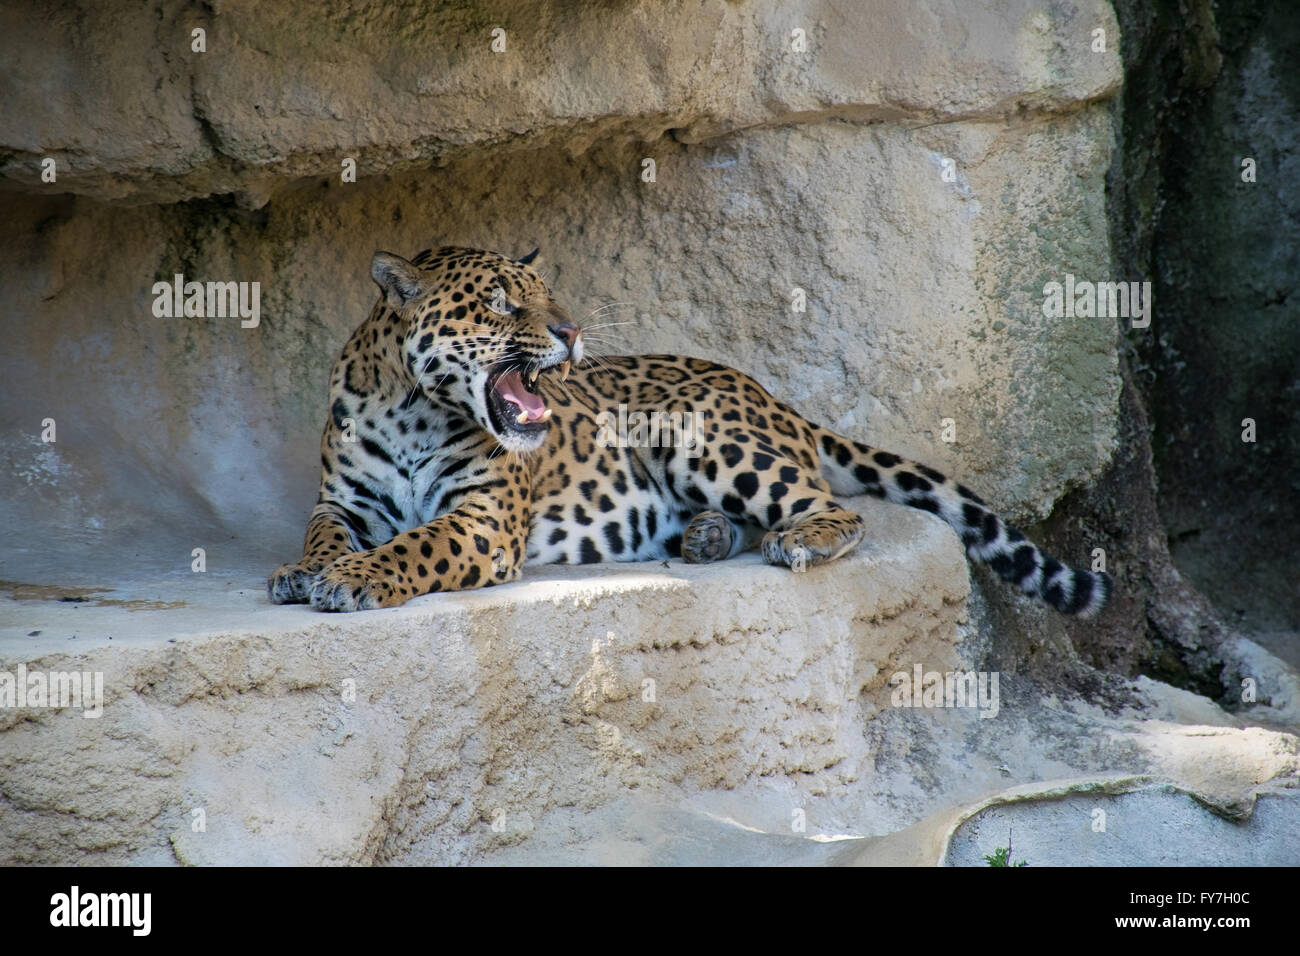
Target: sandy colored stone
point(116, 94)
point(922, 308)
point(520, 699)
point(772, 735)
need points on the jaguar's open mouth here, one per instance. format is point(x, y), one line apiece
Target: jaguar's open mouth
point(513, 401)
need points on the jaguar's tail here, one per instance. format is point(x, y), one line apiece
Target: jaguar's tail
point(853, 468)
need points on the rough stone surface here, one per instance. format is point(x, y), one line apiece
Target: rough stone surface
point(772, 735)
point(823, 171)
point(1154, 825)
point(923, 304)
point(1224, 258)
point(521, 699)
point(115, 93)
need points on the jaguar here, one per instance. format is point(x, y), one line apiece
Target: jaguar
point(468, 435)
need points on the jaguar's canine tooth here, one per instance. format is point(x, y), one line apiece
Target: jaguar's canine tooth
point(564, 371)
point(546, 415)
point(522, 418)
point(532, 377)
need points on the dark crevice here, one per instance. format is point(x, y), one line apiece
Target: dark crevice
point(1201, 529)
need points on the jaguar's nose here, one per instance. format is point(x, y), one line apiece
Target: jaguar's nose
point(567, 333)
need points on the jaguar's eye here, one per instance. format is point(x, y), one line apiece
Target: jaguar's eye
point(499, 304)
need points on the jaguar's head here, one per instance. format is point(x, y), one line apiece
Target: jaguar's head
point(482, 329)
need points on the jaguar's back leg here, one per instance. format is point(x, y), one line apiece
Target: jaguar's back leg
point(712, 536)
point(823, 533)
point(759, 492)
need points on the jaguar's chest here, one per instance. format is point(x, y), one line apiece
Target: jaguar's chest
point(426, 459)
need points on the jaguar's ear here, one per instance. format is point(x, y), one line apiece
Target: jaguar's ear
point(399, 280)
point(528, 259)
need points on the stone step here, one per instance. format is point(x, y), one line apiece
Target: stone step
point(405, 733)
point(636, 713)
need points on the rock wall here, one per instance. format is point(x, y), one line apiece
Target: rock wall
point(920, 191)
point(120, 94)
point(1205, 205)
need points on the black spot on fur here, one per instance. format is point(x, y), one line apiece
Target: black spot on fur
point(1024, 561)
point(633, 522)
point(910, 482)
point(1083, 585)
point(373, 449)
point(614, 535)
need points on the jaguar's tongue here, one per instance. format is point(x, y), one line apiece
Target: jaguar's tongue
point(510, 386)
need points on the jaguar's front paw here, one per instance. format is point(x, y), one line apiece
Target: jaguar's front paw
point(290, 584)
point(353, 584)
